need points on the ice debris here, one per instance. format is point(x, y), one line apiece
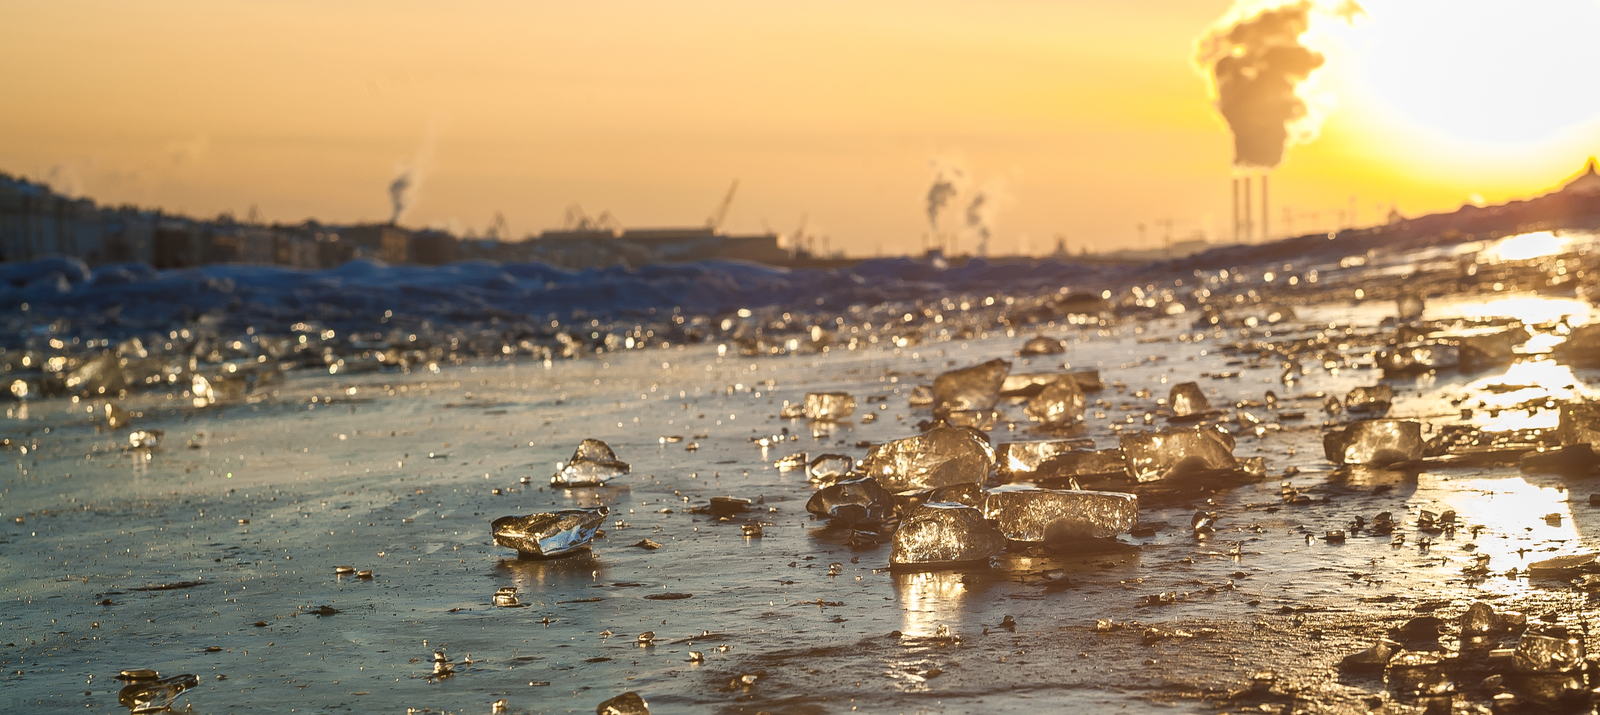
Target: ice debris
point(1375, 399)
point(1024, 513)
point(851, 501)
point(145, 438)
point(551, 534)
point(945, 535)
point(1046, 459)
point(1175, 454)
point(152, 695)
point(940, 457)
point(1547, 654)
point(1059, 404)
point(1041, 345)
point(628, 703)
point(829, 467)
point(1378, 442)
point(1188, 402)
point(975, 388)
point(829, 406)
point(591, 465)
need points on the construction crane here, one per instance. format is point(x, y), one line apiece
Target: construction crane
point(715, 221)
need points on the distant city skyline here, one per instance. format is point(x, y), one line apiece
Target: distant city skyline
point(1084, 120)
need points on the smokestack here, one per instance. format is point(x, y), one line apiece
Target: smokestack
point(1235, 209)
point(1264, 207)
point(1249, 232)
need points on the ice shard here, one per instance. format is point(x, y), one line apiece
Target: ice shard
point(1547, 654)
point(829, 406)
point(591, 465)
point(1041, 345)
point(628, 703)
point(1188, 401)
point(551, 534)
point(1411, 358)
point(972, 388)
point(1375, 442)
point(1024, 513)
point(1408, 305)
point(920, 395)
point(969, 493)
point(851, 501)
point(1149, 456)
point(1491, 347)
point(1042, 459)
point(1059, 404)
point(153, 696)
point(791, 462)
point(829, 467)
point(1029, 384)
point(939, 457)
point(1374, 399)
point(945, 535)
point(99, 375)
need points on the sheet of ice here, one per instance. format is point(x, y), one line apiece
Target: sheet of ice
point(1024, 513)
point(945, 534)
point(940, 457)
point(557, 533)
point(1374, 442)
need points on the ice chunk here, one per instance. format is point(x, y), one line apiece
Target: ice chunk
point(970, 494)
point(1041, 345)
point(940, 457)
point(853, 501)
point(972, 388)
point(1375, 658)
point(99, 375)
point(116, 417)
point(592, 464)
point(145, 438)
point(1187, 400)
point(1418, 357)
point(1491, 347)
point(1370, 399)
point(921, 395)
point(983, 420)
point(153, 696)
point(1148, 456)
point(1018, 461)
point(791, 462)
point(1059, 404)
point(829, 467)
point(945, 534)
point(1547, 654)
point(506, 597)
point(1478, 621)
point(1408, 305)
point(829, 405)
point(1025, 513)
point(1579, 425)
point(556, 533)
point(1029, 384)
point(1374, 442)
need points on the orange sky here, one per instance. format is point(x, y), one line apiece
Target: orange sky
point(1087, 117)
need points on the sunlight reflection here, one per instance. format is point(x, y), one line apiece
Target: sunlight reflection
point(928, 599)
point(1515, 516)
point(1529, 384)
point(1527, 307)
point(1525, 247)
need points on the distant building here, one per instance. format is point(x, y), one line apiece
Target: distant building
point(1586, 182)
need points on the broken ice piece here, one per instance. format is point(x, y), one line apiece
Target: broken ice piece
point(1371, 659)
point(852, 501)
point(751, 531)
point(628, 703)
point(969, 493)
point(972, 388)
point(828, 467)
point(1408, 305)
point(791, 462)
point(137, 674)
point(1024, 513)
point(945, 535)
point(727, 505)
point(1374, 442)
point(551, 534)
point(1580, 425)
point(1171, 454)
point(1017, 461)
point(1413, 358)
point(983, 420)
point(1370, 399)
point(920, 395)
point(1059, 404)
point(591, 465)
point(200, 439)
point(152, 696)
point(506, 597)
point(828, 406)
point(940, 457)
point(1479, 621)
point(1188, 402)
point(1546, 654)
point(1041, 345)
point(1563, 566)
point(145, 439)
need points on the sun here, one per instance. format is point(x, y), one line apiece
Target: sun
point(1484, 72)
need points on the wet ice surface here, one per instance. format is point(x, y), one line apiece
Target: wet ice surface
point(221, 560)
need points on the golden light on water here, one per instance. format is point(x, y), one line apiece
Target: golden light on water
point(1527, 307)
point(1525, 247)
point(1516, 515)
point(1534, 381)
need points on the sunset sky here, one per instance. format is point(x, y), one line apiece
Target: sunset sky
point(1083, 119)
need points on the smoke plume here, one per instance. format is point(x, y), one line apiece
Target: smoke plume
point(953, 188)
point(403, 190)
point(949, 182)
point(397, 195)
point(1259, 65)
